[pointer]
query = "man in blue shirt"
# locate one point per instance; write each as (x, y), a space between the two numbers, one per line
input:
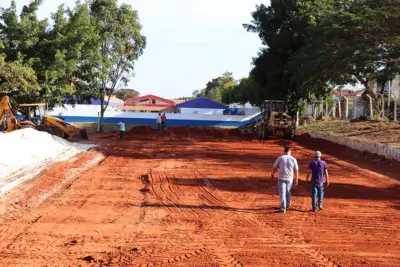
(121, 129)
(319, 172)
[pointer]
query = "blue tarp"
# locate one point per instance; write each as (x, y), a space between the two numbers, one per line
(202, 102)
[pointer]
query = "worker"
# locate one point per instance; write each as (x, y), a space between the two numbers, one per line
(318, 172)
(121, 125)
(163, 121)
(287, 166)
(262, 126)
(159, 121)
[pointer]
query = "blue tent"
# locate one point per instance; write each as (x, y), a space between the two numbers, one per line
(202, 102)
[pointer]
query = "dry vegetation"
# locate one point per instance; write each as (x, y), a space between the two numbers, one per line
(379, 132)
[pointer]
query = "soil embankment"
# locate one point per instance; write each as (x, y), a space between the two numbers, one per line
(201, 197)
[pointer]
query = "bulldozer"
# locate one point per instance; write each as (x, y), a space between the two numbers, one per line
(52, 125)
(276, 122)
(280, 125)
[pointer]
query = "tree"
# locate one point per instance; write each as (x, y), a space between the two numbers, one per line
(280, 31)
(283, 28)
(356, 42)
(55, 53)
(216, 87)
(124, 94)
(17, 79)
(121, 45)
(196, 93)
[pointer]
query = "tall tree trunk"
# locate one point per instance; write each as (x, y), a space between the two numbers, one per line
(102, 110)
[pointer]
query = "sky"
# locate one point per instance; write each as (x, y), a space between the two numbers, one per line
(188, 42)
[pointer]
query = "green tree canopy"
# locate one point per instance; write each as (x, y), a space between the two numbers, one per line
(18, 80)
(124, 94)
(356, 42)
(121, 44)
(216, 88)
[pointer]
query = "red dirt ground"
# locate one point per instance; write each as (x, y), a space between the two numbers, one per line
(200, 197)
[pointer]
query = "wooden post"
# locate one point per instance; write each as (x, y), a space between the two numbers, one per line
(326, 108)
(395, 109)
(314, 111)
(347, 107)
(340, 108)
(321, 108)
(297, 119)
(371, 108)
(355, 108)
(334, 110)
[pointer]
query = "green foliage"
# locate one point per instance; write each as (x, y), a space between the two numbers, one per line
(282, 32)
(86, 52)
(54, 53)
(125, 94)
(217, 87)
(17, 79)
(358, 41)
(248, 90)
(121, 44)
(312, 45)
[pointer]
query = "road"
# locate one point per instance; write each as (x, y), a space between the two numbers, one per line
(198, 198)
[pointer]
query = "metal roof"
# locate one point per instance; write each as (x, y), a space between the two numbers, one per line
(202, 102)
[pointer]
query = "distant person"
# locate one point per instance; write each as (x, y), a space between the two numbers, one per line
(319, 172)
(163, 121)
(287, 166)
(262, 127)
(159, 120)
(121, 125)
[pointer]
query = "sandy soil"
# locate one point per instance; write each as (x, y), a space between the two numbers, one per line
(200, 198)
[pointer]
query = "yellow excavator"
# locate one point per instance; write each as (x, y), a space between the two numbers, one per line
(8, 122)
(53, 125)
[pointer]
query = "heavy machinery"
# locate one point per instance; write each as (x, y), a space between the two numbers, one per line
(276, 122)
(280, 125)
(8, 122)
(52, 125)
(55, 125)
(42, 122)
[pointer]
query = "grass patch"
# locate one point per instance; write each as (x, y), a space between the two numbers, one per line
(379, 132)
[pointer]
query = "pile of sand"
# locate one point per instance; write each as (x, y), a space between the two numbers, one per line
(26, 152)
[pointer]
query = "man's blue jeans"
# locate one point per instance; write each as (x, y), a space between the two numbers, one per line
(317, 189)
(285, 188)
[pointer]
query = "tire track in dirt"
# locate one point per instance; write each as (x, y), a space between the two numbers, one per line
(46, 198)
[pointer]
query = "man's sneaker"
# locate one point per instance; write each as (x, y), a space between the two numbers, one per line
(320, 207)
(282, 211)
(315, 210)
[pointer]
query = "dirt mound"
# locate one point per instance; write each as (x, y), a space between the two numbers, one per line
(140, 130)
(179, 133)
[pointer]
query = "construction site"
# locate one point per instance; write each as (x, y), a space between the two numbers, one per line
(200, 133)
(192, 197)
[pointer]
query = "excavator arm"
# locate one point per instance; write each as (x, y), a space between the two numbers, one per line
(51, 122)
(68, 130)
(8, 121)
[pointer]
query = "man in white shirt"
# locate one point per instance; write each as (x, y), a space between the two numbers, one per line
(159, 121)
(287, 166)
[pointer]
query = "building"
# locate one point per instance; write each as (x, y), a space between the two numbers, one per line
(202, 105)
(148, 103)
(347, 93)
(114, 101)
